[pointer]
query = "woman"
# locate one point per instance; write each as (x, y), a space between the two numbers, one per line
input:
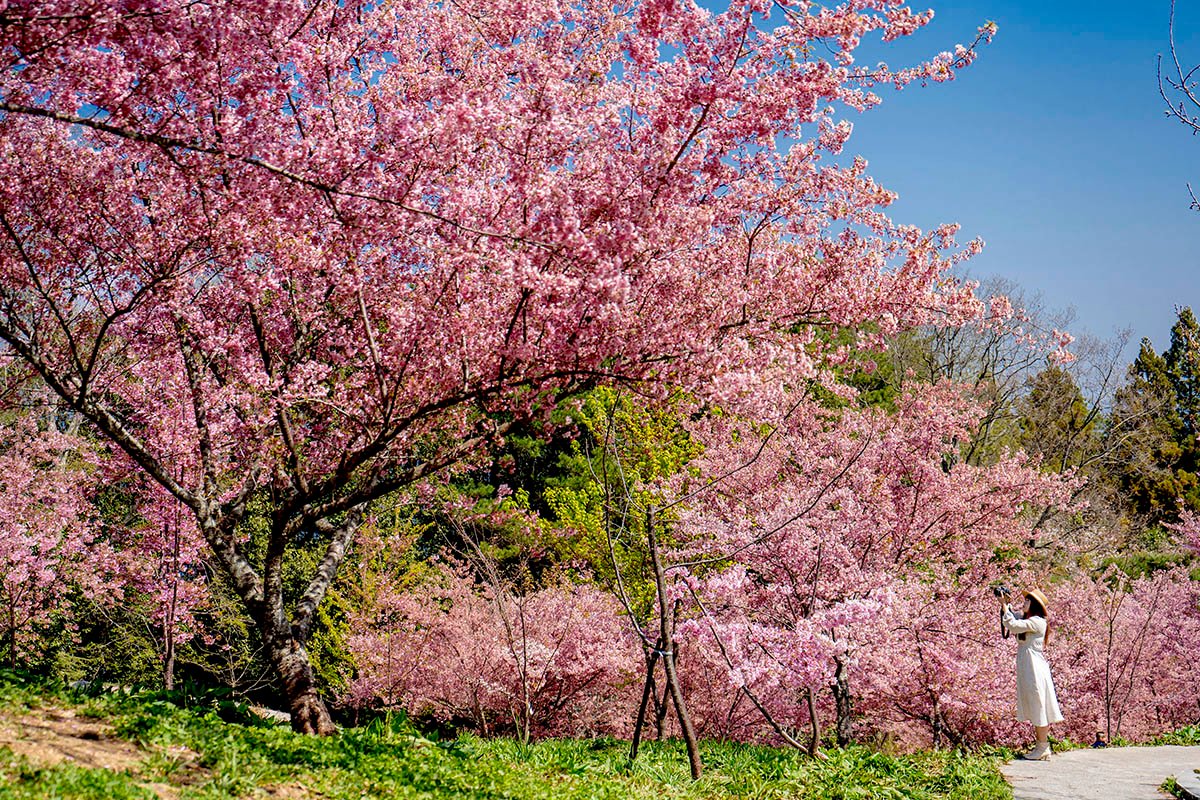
(1036, 701)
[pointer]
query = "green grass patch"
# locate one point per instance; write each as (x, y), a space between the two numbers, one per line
(21, 780)
(1171, 787)
(19, 691)
(390, 758)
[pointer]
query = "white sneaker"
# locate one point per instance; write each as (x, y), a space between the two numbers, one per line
(1040, 752)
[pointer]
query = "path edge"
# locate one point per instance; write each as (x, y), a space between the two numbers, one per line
(1189, 785)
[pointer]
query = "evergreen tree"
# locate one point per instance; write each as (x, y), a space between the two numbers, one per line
(1182, 362)
(1056, 420)
(1155, 471)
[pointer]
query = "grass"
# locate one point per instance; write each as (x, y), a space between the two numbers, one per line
(389, 758)
(21, 780)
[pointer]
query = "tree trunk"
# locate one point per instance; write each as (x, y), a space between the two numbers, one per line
(662, 704)
(666, 623)
(935, 722)
(309, 714)
(843, 703)
(12, 635)
(169, 616)
(647, 690)
(284, 635)
(814, 741)
(685, 720)
(169, 657)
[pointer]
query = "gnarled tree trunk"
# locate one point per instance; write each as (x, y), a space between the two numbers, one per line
(285, 635)
(290, 659)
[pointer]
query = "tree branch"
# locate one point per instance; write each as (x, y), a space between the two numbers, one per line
(173, 143)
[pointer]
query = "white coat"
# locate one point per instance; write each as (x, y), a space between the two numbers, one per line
(1036, 700)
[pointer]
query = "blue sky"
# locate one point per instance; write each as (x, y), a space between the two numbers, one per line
(1053, 147)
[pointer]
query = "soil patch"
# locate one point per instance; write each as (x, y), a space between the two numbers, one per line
(52, 736)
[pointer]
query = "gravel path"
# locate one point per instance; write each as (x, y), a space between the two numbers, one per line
(1112, 773)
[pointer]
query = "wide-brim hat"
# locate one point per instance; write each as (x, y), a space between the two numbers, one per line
(1036, 594)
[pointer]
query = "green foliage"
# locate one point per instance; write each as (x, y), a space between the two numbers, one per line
(105, 642)
(234, 658)
(1171, 787)
(218, 700)
(874, 374)
(527, 462)
(1142, 563)
(609, 478)
(1153, 537)
(1187, 736)
(19, 690)
(876, 379)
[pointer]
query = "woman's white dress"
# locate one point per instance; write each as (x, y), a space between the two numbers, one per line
(1036, 701)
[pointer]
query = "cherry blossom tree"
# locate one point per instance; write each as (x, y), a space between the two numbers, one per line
(463, 643)
(856, 557)
(1188, 529)
(316, 252)
(1125, 651)
(48, 542)
(837, 548)
(161, 556)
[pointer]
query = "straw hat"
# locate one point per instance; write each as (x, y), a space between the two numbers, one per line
(1036, 594)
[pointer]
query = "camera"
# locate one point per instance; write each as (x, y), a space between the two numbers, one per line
(1003, 592)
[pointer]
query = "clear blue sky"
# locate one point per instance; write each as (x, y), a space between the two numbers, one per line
(1053, 147)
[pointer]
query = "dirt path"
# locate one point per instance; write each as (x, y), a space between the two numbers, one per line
(1113, 773)
(50, 736)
